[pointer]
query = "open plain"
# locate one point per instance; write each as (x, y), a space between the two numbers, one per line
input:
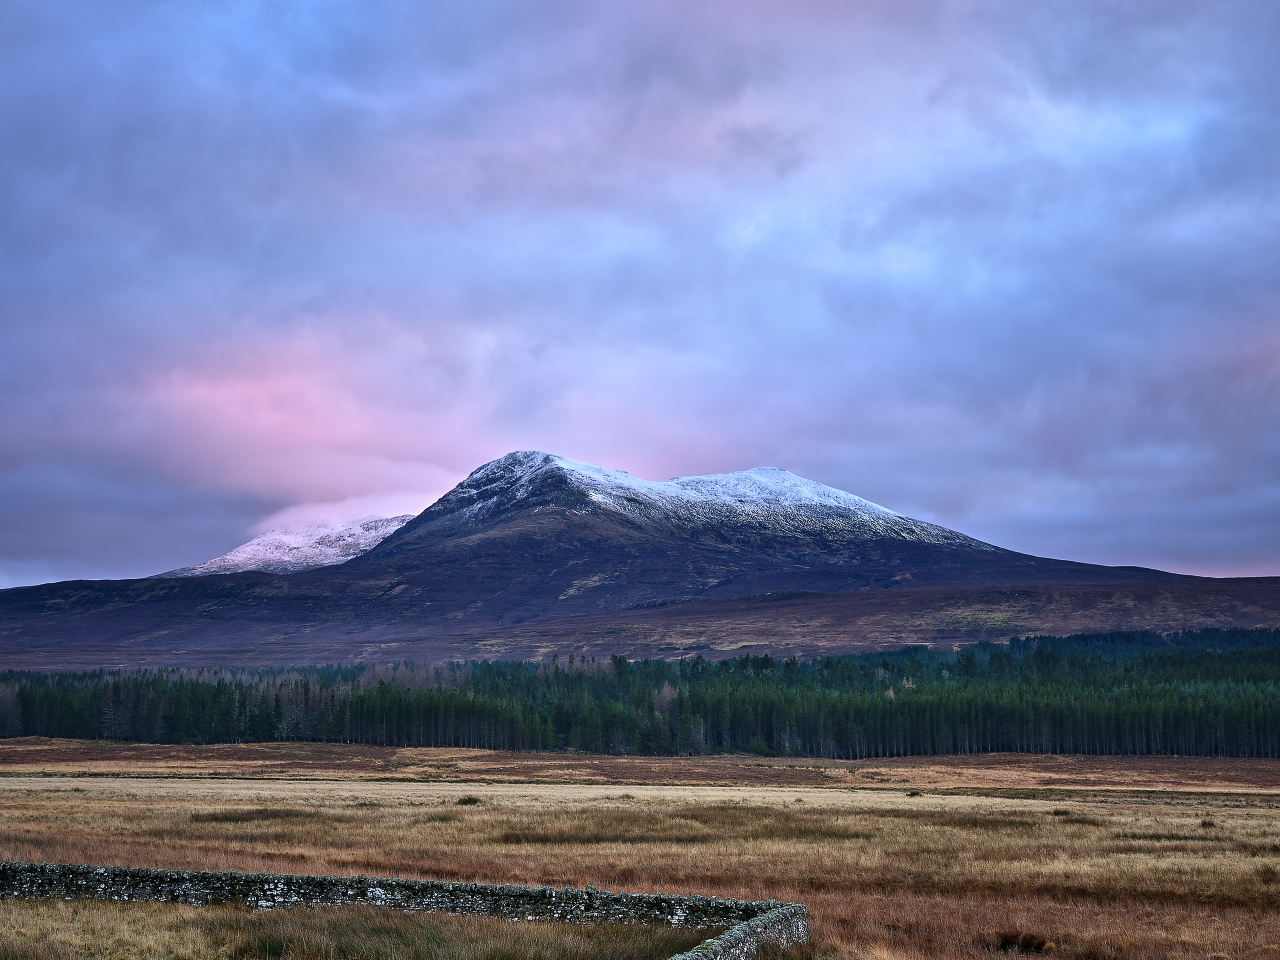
(1090, 858)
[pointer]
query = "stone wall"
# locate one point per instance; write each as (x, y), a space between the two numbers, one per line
(752, 922)
(784, 925)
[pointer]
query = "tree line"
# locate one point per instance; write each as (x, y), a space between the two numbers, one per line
(1203, 693)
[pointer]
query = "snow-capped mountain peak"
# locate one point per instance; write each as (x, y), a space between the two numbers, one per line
(759, 489)
(295, 547)
(767, 499)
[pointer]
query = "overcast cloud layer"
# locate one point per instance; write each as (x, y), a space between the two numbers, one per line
(1009, 267)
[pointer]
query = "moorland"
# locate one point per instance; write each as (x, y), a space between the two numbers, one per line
(255, 619)
(170, 931)
(1090, 858)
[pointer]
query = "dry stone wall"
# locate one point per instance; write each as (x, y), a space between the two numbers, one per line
(784, 925)
(752, 923)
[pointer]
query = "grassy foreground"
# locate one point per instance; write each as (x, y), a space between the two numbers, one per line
(155, 931)
(983, 864)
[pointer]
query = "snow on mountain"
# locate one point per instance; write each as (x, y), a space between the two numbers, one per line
(764, 498)
(301, 546)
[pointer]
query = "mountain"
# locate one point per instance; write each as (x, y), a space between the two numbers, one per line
(762, 502)
(534, 552)
(301, 546)
(533, 535)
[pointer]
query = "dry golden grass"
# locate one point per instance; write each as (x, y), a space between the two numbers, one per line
(159, 931)
(96, 758)
(331, 761)
(954, 872)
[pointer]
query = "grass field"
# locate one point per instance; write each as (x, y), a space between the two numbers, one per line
(158, 931)
(954, 858)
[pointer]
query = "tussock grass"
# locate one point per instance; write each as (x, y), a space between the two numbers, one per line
(886, 877)
(258, 814)
(964, 821)
(686, 825)
(1082, 821)
(35, 930)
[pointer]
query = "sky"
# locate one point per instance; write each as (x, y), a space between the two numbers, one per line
(1009, 267)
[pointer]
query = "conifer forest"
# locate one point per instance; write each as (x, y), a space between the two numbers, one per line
(1195, 693)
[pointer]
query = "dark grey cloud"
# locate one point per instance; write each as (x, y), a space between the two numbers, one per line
(1008, 267)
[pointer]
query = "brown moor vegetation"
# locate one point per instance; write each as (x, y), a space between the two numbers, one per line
(150, 931)
(788, 623)
(964, 858)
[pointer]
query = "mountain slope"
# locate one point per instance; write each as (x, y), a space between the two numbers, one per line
(298, 547)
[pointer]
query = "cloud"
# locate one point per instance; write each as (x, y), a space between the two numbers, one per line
(1012, 269)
